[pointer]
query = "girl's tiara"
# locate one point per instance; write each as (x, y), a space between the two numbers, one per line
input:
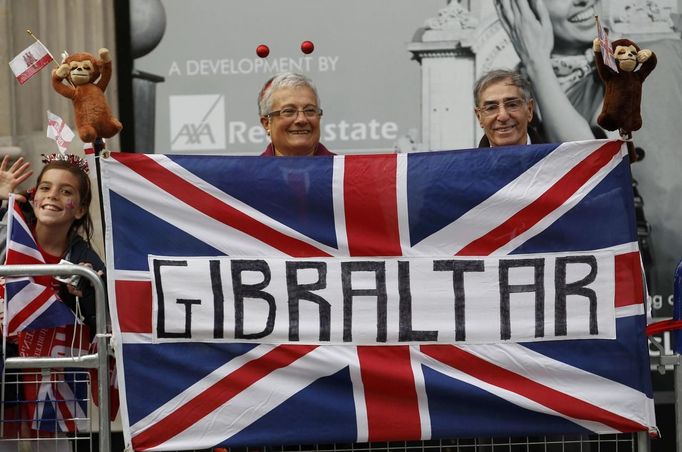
(73, 159)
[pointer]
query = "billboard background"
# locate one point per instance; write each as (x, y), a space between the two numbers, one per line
(361, 66)
(377, 97)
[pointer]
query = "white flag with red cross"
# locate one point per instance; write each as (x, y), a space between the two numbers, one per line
(59, 131)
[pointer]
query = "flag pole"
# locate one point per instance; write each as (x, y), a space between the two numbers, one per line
(30, 33)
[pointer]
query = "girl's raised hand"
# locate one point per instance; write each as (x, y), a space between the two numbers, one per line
(12, 177)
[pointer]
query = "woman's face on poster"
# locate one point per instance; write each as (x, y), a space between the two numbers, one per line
(573, 23)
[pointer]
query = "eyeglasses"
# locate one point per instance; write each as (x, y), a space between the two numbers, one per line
(308, 112)
(510, 106)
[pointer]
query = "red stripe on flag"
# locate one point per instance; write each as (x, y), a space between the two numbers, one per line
(33, 69)
(555, 400)
(215, 208)
(629, 285)
(30, 309)
(184, 416)
(371, 206)
(15, 257)
(549, 201)
(390, 394)
(371, 212)
(65, 413)
(134, 306)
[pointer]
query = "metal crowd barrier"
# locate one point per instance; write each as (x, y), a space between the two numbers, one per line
(677, 348)
(32, 421)
(97, 360)
(663, 362)
(628, 442)
(667, 359)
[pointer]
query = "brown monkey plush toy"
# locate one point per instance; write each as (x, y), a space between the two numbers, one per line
(623, 89)
(89, 78)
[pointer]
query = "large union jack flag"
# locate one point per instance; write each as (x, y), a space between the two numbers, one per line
(31, 301)
(572, 197)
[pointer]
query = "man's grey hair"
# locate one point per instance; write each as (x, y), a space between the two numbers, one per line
(498, 75)
(282, 80)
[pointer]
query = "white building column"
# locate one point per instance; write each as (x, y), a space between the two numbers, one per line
(448, 72)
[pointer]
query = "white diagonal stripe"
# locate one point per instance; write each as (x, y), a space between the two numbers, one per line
(511, 199)
(182, 215)
(240, 412)
(591, 388)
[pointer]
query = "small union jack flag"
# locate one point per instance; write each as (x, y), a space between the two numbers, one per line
(605, 45)
(31, 302)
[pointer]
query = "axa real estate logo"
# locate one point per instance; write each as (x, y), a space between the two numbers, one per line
(197, 122)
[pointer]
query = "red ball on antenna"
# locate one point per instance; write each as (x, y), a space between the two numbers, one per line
(307, 47)
(262, 50)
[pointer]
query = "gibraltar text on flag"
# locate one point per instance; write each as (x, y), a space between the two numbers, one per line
(376, 297)
(31, 60)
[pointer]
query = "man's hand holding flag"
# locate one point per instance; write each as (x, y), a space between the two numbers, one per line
(11, 178)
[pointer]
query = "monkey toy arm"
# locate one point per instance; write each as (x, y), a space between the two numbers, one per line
(648, 60)
(605, 72)
(58, 75)
(105, 76)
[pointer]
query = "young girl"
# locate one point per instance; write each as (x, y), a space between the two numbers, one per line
(63, 226)
(57, 212)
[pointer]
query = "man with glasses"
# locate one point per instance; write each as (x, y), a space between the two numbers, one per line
(504, 109)
(290, 112)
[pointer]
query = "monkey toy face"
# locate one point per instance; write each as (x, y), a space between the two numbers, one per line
(626, 57)
(82, 71)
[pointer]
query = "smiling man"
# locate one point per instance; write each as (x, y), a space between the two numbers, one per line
(504, 109)
(290, 112)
